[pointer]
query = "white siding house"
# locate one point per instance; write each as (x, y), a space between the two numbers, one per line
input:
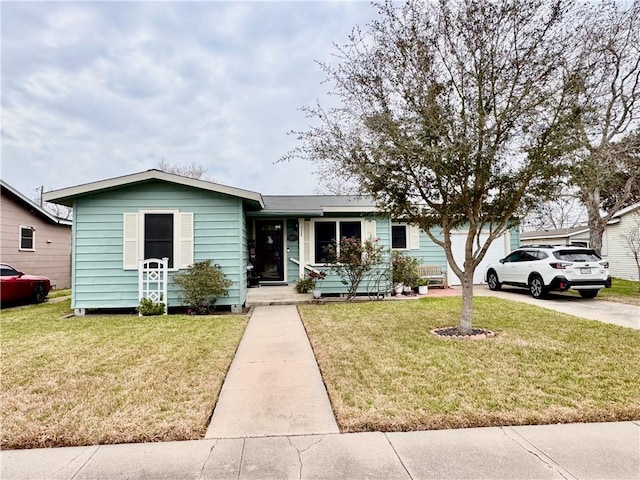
(614, 246)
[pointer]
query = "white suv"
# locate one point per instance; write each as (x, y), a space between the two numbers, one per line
(543, 268)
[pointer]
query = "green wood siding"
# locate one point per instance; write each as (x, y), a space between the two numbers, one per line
(99, 280)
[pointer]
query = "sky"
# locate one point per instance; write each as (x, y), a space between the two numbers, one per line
(95, 90)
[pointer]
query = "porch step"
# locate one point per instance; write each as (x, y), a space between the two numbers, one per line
(276, 295)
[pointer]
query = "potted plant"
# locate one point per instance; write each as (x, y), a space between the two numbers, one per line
(317, 277)
(423, 286)
(404, 273)
(304, 285)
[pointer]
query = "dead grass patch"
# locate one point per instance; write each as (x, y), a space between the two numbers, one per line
(384, 371)
(110, 379)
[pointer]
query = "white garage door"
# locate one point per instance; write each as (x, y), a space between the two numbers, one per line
(498, 249)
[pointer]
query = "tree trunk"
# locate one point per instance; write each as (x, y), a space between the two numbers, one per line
(596, 222)
(466, 316)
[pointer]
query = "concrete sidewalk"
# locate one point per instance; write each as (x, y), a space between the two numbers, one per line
(573, 451)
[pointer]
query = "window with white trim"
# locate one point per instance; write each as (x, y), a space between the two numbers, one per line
(326, 233)
(399, 237)
(157, 234)
(405, 236)
(27, 239)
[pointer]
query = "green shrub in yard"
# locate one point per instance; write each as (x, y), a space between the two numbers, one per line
(202, 284)
(148, 307)
(353, 260)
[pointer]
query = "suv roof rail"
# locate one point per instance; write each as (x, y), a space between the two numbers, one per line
(540, 245)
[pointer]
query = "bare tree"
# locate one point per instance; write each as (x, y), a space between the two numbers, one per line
(606, 69)
(452, 115)
(632, 239)
(565, 211)
(193, 170)
(60, 211)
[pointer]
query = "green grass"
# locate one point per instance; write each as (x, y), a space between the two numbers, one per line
(625, 291)
(110, 379)
(62, 292)
(385, 371)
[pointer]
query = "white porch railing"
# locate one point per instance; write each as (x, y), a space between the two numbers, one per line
(305, 266)
(153, 276)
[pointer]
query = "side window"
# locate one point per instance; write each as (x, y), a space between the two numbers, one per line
(528, 256)
(27, 239)
(541, 255)
(399, 236)
(158, 236)
(513, 257)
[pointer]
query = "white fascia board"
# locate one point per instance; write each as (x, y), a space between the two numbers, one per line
(65, 195)
(353, 209)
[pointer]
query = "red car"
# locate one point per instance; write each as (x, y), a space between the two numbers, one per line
(17, 286)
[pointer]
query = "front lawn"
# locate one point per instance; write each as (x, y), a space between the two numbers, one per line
(110, 379)
(624, 291)
(385, 371)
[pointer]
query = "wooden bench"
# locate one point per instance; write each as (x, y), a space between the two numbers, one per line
(434, 274)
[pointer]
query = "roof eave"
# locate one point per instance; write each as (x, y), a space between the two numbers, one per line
(31, 204)
(65, 196)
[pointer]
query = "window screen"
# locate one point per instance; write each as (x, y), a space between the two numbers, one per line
(158, 236)
(351, 230)
(325, 235)
(398, 236)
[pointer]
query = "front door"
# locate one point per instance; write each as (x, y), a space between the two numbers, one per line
(269, 250)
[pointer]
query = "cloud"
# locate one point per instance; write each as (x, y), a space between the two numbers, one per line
(92, 90)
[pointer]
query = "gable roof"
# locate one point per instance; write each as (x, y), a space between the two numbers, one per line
(559, 233)
(65, 196)
(626, 210)
(31, 206)
(316, 205)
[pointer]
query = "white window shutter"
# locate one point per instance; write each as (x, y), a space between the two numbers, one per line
(130, 241)
(186, 239)
(370, 230)
(414, 237)
(306, 240)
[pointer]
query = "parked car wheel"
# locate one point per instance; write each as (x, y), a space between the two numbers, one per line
(492, 280)
(39, 293)
(588, 293)
(536, 287)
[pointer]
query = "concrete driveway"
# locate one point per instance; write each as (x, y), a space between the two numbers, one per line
(593, 309)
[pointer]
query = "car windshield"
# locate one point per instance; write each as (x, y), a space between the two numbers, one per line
(577, 255)
(8, 271)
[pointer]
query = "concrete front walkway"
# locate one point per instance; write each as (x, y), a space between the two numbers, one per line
(274, 385)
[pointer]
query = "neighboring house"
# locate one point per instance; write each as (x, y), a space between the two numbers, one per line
(577, 236)
(119, 221)
(614, 246)
(32, 239)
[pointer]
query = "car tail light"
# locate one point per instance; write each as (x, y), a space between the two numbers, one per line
(560, 265)
(604, 264)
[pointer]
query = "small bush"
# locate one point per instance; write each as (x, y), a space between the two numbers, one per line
(148, 307)
(405, 269)
(202, 284)
(354, 261)
(304, 285)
